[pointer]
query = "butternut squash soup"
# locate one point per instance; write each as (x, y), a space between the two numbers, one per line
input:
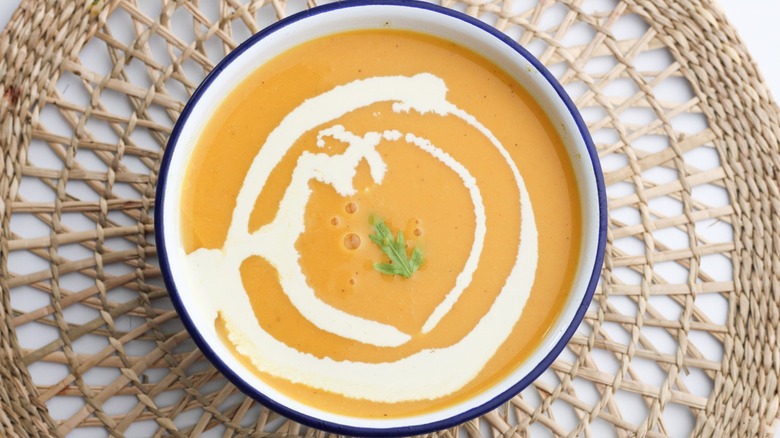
(389, 221)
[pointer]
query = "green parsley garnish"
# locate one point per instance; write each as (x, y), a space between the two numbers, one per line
(395, 249)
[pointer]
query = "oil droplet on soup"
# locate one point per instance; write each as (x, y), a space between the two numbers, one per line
(352, 241)
(418, 195)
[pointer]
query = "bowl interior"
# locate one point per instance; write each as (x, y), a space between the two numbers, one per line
(416, 17)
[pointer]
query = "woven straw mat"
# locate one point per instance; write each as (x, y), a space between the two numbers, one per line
(682, 336)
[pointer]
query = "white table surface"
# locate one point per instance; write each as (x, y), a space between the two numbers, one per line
(755, 21)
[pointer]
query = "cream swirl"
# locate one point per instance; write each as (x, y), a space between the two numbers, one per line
(422, 375)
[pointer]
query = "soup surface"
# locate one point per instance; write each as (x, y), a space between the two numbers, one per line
(295, 172)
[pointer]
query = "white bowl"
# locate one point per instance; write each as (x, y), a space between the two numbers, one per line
(408, 15)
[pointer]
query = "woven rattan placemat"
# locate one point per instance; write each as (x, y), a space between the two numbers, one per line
(682, 337)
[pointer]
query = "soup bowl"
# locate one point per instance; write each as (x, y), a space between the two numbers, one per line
(196, 310)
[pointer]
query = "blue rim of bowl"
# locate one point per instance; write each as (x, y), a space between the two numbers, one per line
(328, 425)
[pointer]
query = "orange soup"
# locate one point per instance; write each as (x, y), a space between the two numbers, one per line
(402, 217)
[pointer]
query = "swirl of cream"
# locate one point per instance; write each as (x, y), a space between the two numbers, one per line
(422, 375)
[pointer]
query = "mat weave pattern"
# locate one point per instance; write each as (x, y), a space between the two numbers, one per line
(682, 337)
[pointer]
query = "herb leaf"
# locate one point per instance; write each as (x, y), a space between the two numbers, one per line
(395, 249)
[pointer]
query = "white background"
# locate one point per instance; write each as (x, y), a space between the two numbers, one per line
(755, 21)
